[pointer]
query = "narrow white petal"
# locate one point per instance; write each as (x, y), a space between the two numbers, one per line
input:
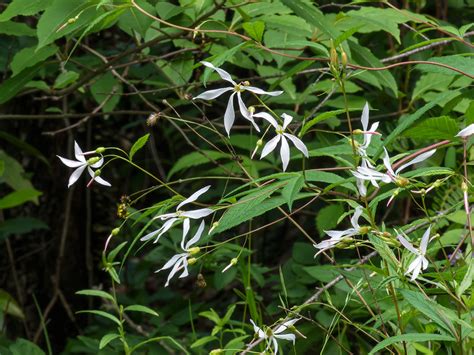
(361, 187)
(185, 272)
(424, 263)
(243, 109)
(164, 228)
(365, 117)
(212, 94)
(197, 214)
(257, 330)
(186, 226)
(222, 73)
(284, 152)
(336, 235)
(466, 132)
(418, 159)
(261, 92)
(289, 337)
(286, 120)
(298, 144)
(406, 244)
(270, 146)
(386, 162)
(101, 181)
(196, 237)
(193, 197)
(368, 136)
(70, 163)
(172, 261)
(75, 175)
(355, 217)
(229, 115)
(78, 153)
(275, 345)
(174, 270)
(424, 241)
(417, 269)
(99, 163)
(267, 117)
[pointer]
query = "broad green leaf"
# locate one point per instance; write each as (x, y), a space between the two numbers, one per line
(23, 346)
(319, 118)
(10, 87)
(65, 79)
(96, 293)
(134, 22)
(23, 8)
(467, 280)
(410, 338)
(139, 144)
(364, 57)
(429, 308)
(166, 10)
(27, 57)
(177, 72)
(465, 64)
(328, 217)
(254, 29)
(14, 175)
(20, 225)
(19, 197)
(16, 29)
(140, 308)
(23, 146)
(196, 159)
(291, 190)
(63, 17)
(221, 58)
(107, 85)
(9, 306)
(103, 314)
(106, 339)
(443, 127)
(203, 341)
(430, 82)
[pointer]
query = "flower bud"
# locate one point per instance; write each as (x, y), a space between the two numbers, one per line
(357, 131)
(402, 182)
(216, 352)
(343, 58)
(214, 226)
(97, 172)
(259, 143)
(194, 250)
(192, 261)
(464, 187)
(92, 160)
(100, 150)
(364, 229)
(251, 109)
(115, 231)
(234, 261)
(334, 58)
(246, 83)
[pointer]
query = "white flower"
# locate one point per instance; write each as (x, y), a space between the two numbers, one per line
(171, 218)
(281, 136)
(420, 262)
(466, 132)
(81, 164)
(367, 173)
(338, 236)
(237, 89)
(180, 261)
(368, 133)
(276, 334)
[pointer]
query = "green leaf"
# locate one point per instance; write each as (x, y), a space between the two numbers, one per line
(106, 339)
(10, 87)
(467, 280)
(443, 127)
(65, 78)
(429, 308)
(328, 217)
(140, 308)
(465, 64)
(2, 168)
(291, 190)
(27, 57)
(410, 338)
(20, 225)
(104, 315)
(9, 306)
(23, 8)
(196, 159)
(254, 29)
(220, 59)
(96, 293)
(106, 85)
(363, 56)
(23, 146)
(23, 346)
(16, 29)
(321, 117)
(313, 16)
(14, 175)
(139, 144)
(19, 197)
(203, 341)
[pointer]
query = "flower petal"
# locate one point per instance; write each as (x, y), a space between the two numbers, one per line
(261, 92)
(78, 153)
(99, 163)
(186, 226)
(365, 117)
(222, 73)
(298, 144)
(75, 175)
(229, 115)
(290, 337)
(386, 162)
(101, 181)
(196, 237)
(257, 330)
(466, 132)
(268, 117)
(424, 241)
(194, 196)
(212, 94)
(406, 244)
(70, 163)
(270, 146)
(245, 112)
(284, 152)
(286, 120)
(418, 159)
(196, 214)
(355, 217)
(361, 187)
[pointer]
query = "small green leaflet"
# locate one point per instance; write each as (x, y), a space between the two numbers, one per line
(96, 293)
(106, 339)
(19, 197)
(254, 29)
(291, 190)
(140, 308)
(138, 145)
(410, 338)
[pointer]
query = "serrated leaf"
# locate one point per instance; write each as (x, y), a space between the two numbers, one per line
(16, 29)
(96, 293)
(23, 8)
(140, 308)
(19, 197)
(254, 29)
(443, 127)
(65, 79)
(104, 315)
(27, 57)
(138, 145)
(410, 338)
(291, 190)
(465, 64)
(106, 339)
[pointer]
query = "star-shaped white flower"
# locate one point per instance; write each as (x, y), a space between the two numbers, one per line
(180, 261)
(185, 216)
(338, 236)
(281, 136)
(466, 132)
(81, 164)
(420, 262)
(229, 115)
(271, 337)
(368, 133)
